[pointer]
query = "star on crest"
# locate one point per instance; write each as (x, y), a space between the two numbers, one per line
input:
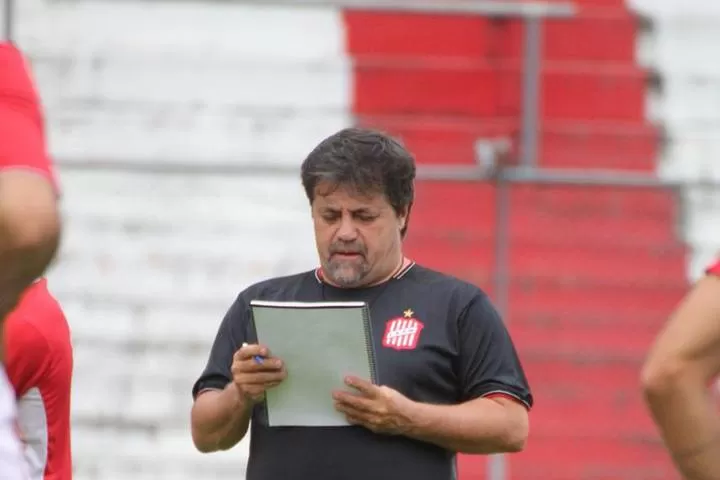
(408, 313)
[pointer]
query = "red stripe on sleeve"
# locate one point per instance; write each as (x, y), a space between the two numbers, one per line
(506, 396)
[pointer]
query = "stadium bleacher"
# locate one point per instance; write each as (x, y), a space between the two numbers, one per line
(684, 36)
(151, 261)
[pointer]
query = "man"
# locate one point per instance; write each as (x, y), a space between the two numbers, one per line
(677, 376)
(453, 384)
(39, 362)
(29, 219)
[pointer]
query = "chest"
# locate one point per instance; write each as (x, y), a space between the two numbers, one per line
(416, 349)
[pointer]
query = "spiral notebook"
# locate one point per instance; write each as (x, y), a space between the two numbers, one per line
(320, 343)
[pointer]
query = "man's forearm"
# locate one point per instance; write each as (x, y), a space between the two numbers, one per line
(481, 426)
(220, 419)
(690, 425)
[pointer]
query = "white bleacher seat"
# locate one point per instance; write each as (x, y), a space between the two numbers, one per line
(142, 454)
(92, 321)
(233, 89)
(685, 37)
(165, 238)
(157, 261)
(150, 263)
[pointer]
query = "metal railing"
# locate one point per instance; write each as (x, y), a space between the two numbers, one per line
(488, 169)
(532, 14)
(8, 19)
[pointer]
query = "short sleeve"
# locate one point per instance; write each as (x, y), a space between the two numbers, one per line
(21, 121)
(489, 364)
(230, 336)
(27, 353)
(714, 269)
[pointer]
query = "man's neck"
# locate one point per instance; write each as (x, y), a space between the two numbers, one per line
(399, 267)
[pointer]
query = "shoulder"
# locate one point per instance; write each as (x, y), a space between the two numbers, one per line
(277, 288)
(22, 332)
(444, 284)
(16, 82)
(40, 307)
(447, 289)
(17, 89)
(13, 67)
(22, 122)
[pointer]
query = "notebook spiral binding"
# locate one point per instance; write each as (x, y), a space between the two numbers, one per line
(370, 344)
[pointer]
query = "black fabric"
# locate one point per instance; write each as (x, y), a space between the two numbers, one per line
(463, 352)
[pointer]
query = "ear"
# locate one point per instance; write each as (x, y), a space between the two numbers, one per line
(403, 217)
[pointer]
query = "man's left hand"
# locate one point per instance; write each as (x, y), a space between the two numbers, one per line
(377, 408)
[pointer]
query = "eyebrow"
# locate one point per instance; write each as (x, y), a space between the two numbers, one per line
(366, 210)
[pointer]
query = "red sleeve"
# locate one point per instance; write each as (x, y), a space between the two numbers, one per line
(714, 270)
(26, 352)
(22, 139)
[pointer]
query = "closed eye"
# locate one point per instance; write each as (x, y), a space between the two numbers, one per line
(365, 217)
(331, 216)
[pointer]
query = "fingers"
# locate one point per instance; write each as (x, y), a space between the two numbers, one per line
(363, 386)
(255, 358)
(260, 378)
(255, 371)
(252, 366)
(353, 420)
(357, 403)
(356, 417)
(248, 351)
(348, 410)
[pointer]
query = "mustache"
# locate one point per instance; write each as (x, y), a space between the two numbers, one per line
(357, 249)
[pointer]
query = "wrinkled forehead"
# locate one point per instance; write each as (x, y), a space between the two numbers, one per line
(347, 197)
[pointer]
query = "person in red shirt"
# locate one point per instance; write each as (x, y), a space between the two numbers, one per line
(29, 213)
(39, 362)
(677, 375)
(714, 270)
(29, 220)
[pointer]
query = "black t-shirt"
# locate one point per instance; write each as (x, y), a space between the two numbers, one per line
(438, 339)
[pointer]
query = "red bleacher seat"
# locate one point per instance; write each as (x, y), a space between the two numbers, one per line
(485, 89)
(446, 139)
(597, 35)
(593, 272)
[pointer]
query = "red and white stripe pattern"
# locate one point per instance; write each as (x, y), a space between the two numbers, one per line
(402, 333)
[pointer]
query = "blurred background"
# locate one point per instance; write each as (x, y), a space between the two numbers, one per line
(569, 164)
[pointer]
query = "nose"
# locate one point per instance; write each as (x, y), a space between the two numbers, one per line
(347, 232)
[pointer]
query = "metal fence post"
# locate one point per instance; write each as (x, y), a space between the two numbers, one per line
(8, 15)
(531, 85)
(497, 467)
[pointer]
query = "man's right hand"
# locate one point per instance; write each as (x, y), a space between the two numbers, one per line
(251, 378)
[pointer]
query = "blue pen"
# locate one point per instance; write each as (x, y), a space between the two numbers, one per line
(258, 359)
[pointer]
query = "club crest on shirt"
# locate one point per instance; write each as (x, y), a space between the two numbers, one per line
(402, 333)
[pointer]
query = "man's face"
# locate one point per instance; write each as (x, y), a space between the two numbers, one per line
(357, 236)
